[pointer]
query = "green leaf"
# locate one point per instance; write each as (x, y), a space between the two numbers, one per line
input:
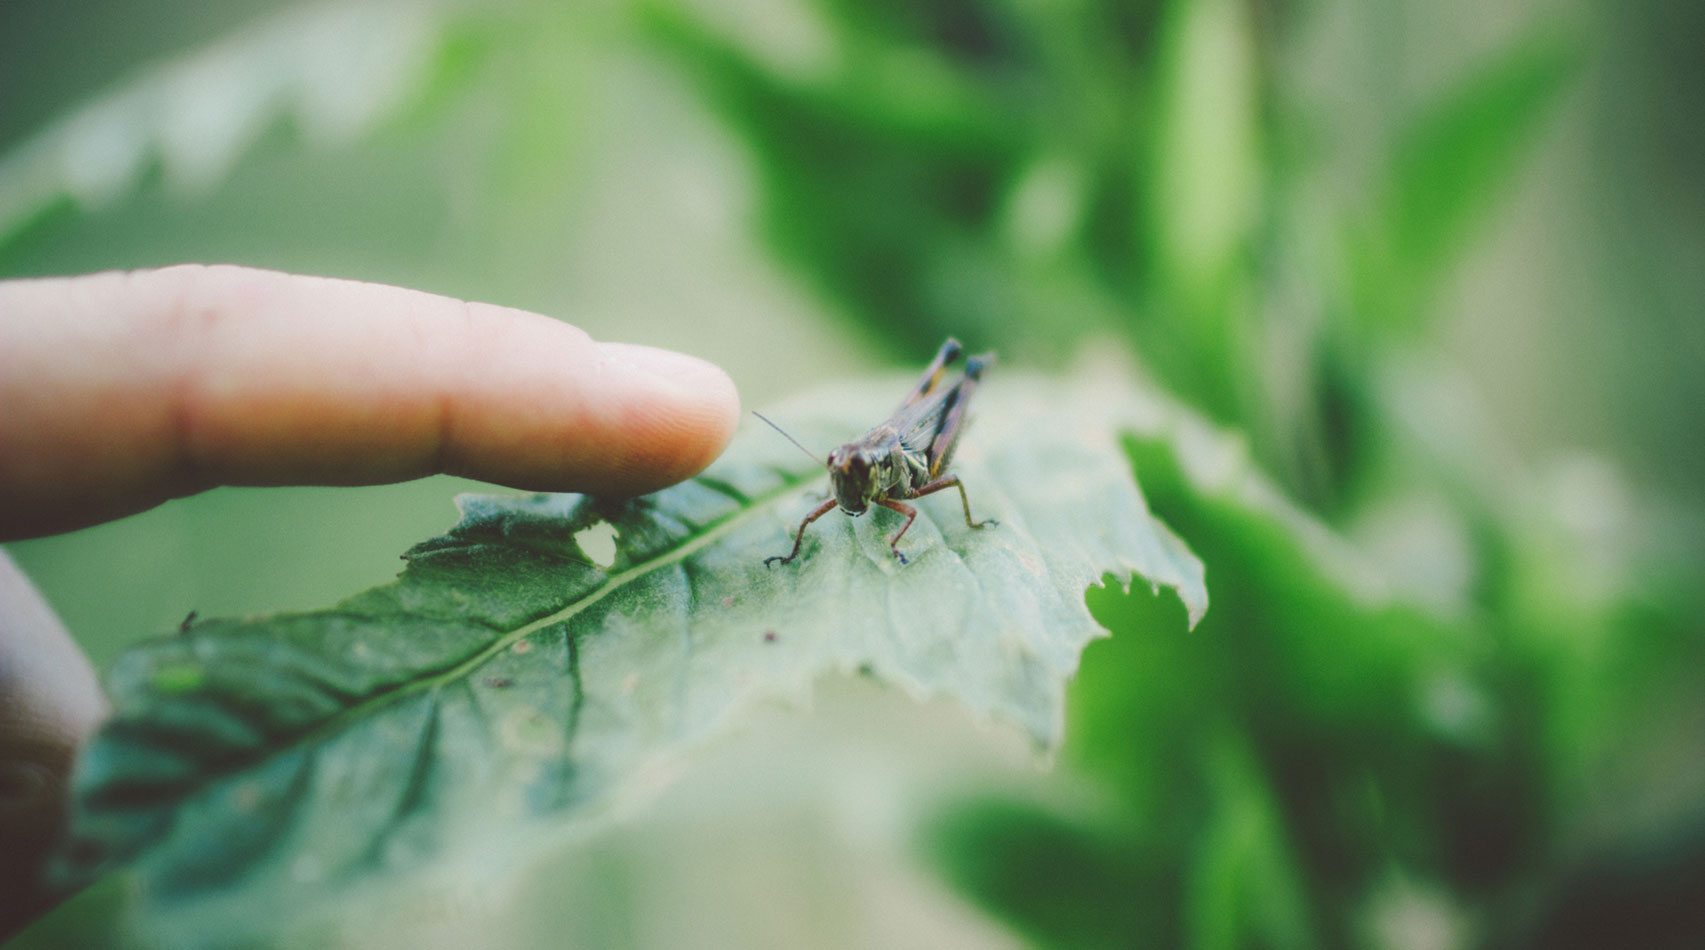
(1453, 159)
(1238, 761)
(508, 677)
(1061, 880)
(1244, 887)
(1200, 179)
(1205, 181)
(887, 169)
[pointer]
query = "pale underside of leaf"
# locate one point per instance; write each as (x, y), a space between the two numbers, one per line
(508, 677)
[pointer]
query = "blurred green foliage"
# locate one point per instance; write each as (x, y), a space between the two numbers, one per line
(1449, 165)
(1447, 693)
(1318, 761)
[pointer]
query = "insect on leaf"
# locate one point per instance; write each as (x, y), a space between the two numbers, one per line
(509, 683)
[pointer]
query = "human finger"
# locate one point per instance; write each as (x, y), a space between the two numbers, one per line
(120, 390)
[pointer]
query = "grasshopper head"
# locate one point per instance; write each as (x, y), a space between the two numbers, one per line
(853, 472)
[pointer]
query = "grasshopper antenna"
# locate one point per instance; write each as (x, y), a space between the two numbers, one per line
(790, 438)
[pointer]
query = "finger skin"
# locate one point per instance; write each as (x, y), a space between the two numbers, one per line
(49, 703)
(121, 390)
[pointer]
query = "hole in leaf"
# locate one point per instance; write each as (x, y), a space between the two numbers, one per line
(598, 543)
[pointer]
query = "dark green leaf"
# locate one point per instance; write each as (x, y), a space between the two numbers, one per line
(1061, 882)
(884, 173)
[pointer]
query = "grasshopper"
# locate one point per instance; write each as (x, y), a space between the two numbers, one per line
(906, 456)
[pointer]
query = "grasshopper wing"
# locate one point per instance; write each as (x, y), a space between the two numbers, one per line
(932, 424)
(931, 379)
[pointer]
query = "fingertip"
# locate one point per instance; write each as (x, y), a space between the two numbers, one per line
(194, 376)
(681, 412)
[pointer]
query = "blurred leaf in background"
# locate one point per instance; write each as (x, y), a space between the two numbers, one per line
(1449, 166)
(1426, 752)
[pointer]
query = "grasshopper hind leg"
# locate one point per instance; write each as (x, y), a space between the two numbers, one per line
(952, 481)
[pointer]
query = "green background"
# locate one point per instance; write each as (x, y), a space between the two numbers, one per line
(1437, 262)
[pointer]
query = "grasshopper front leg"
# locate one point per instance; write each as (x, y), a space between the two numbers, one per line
(911, 516)
(818, 512)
